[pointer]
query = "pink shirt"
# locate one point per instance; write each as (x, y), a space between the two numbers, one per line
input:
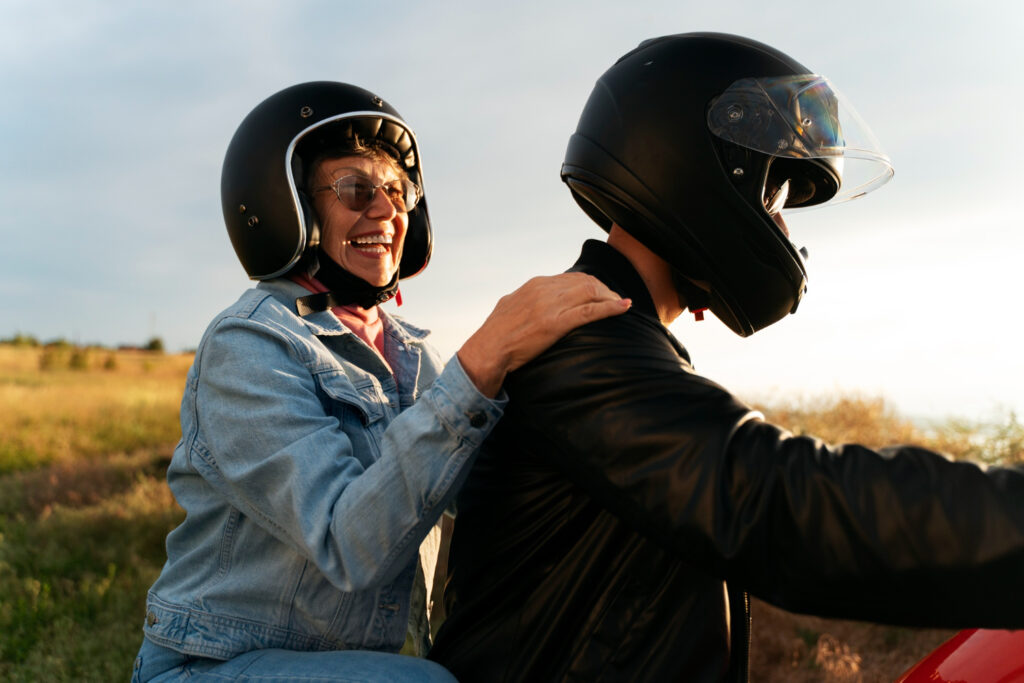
(364, 323)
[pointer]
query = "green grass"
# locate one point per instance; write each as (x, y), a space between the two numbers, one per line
(84, 508)
(79, 547)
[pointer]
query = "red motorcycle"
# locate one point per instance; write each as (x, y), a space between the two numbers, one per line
(973, 656)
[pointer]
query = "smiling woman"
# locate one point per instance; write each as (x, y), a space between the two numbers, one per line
(364, 224)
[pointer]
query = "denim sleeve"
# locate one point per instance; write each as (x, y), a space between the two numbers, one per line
(265, 443)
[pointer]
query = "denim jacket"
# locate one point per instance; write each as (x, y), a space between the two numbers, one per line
(309, 474)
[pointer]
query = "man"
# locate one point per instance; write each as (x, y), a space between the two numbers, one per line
(624, 508)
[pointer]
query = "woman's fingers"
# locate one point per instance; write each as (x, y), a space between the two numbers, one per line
(526, 322)
(584, 301)
(545, 309)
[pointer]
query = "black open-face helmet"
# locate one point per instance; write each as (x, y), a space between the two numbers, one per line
(692, 142)
(268, 216)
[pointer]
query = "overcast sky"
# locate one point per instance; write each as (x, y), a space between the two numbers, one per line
(114, 118)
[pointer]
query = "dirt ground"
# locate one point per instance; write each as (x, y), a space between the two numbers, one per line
(789, 648)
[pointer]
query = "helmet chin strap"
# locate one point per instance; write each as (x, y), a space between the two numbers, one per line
(696, 299)
(344, 288)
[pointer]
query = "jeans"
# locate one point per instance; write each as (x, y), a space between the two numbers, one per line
(163, 665)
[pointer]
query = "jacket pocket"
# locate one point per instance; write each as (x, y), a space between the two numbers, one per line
(360, 410)
(363, 397)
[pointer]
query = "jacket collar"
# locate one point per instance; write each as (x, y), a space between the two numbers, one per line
(325, 323)
(609, 266)
(612, 268)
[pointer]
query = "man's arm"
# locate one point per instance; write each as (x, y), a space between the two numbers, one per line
(903, 535)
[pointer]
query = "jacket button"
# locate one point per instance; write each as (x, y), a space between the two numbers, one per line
(477, 420)
(151, 618)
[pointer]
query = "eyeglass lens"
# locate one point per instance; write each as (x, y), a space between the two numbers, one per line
(357, 192)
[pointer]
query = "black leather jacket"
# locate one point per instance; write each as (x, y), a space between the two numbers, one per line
(625, 505)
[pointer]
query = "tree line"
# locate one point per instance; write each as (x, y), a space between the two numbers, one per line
(154, 344)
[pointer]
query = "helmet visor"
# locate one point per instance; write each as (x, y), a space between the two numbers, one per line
(802, 117)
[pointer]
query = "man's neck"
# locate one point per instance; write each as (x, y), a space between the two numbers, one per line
(654, 271)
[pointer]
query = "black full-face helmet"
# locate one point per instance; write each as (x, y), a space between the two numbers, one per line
(268, 216)
(692, 142)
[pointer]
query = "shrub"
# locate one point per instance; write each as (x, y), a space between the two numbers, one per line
(20, 339)
(998, 442)
(846, 419)
(79, 359)
(51, 358)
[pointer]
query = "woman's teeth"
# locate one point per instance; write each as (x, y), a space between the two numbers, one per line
(377, 243)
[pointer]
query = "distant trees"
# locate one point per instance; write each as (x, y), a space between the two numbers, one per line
(57, 354)
(155, 344)
(20, 339)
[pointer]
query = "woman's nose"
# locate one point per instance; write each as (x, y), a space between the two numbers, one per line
(380, 207)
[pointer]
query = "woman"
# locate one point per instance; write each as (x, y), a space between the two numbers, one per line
(321, 437)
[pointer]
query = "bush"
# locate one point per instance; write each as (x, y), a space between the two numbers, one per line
(52, 358)
(846, 419)
(20, 339)
(79, 359)
(871, 422)
(999, 442)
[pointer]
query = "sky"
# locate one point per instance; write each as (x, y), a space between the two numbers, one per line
(114, 119)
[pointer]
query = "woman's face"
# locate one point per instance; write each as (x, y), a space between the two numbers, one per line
(367, 243)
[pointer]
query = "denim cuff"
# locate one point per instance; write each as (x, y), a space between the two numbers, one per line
(463, 408)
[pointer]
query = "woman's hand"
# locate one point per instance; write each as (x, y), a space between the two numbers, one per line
(529, 320)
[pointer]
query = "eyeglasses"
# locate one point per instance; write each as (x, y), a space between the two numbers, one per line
(356, 192)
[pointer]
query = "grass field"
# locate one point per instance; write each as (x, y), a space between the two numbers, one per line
(85, 437)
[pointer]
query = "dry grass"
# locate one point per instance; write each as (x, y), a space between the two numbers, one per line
(57, 409)
(845, 419)
(788, 648)
(869, 421)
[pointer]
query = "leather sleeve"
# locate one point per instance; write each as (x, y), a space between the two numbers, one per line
(902, 535)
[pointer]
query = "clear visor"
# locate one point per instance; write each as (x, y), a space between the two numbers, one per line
(802, 117)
